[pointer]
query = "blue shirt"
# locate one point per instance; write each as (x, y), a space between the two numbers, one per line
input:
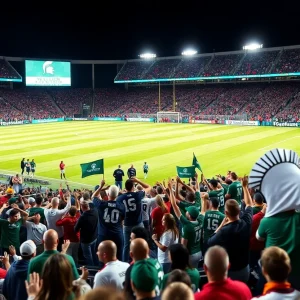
(133, 207)
(111, 213)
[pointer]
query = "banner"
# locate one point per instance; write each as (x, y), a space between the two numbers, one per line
(106, 119)
(286, 124)
(9, 123)
(139, 119)
(196, 164)
(186, 172)
(242, 123)
(203, 122)
(39, 121)
(92, 168)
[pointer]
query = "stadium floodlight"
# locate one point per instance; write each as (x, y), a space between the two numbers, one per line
(253, 46)
(189, 52)
(147, 55)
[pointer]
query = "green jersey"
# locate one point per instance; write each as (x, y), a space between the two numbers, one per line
(191, 231)
(225, 187)
(282, 230)
(32, 165)
(256, 209)
(37, 210)
(10, 233)
(235, 190)
(184, 204)
(194, 275)
(212, 221)
(220, 194)
(160, 274)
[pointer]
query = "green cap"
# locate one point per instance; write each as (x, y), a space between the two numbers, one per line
(12, 200)
(193, 211)
(144, 275)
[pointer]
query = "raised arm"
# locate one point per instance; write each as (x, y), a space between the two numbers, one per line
(247, 196)
(173, 201)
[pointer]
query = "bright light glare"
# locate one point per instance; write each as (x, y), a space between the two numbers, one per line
(189, 52)
(253, 46)
(147, 55)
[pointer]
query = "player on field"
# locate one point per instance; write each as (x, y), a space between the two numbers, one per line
(62, 170)
(191, 227)
(118, 174)
(111, 215)
(235, 189)
(22, 166)
(32, 166)
(131, 172)
(133, 210)
(27, 166)
(145, 169)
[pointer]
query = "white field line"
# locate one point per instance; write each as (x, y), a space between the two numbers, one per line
(9, 172)
(279, 142)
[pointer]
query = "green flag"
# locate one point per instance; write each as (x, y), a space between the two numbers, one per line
(92, 168)
(196, 163)
(186, 172)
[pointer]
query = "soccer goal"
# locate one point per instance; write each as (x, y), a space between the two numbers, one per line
(168, 117)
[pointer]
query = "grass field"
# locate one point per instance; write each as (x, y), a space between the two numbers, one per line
(164, 146)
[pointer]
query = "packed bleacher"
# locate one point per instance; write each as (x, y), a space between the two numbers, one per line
(289, 61)
(134, 70)
(191, 67)
(162, 69)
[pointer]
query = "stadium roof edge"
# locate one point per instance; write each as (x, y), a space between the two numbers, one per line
(123, 61)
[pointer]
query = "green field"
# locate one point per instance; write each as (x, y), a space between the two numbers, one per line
(163, 146)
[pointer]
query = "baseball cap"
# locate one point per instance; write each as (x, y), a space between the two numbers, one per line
(12, 200)
(10, 191)
(31, 200)
(144, 275)
(193, 211)
(27, 248)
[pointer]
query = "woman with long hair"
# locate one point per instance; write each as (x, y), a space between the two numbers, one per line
(56, 281)
(179, 256)
(169, 237)
(157, 215)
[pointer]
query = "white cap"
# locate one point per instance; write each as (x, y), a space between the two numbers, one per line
(31, 200)
(27, 248)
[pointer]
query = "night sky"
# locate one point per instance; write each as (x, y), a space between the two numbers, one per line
(119, 34)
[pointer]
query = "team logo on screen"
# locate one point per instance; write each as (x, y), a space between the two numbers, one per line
(48, 68)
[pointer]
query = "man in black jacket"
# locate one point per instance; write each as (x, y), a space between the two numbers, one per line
(22, 165)
(87, 224)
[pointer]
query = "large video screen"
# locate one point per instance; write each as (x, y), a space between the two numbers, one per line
(47, 73)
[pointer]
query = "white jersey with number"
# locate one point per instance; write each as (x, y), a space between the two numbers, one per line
(113, 274)
(148, 204)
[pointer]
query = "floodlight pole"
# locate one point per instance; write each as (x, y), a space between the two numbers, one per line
(174, 98)
(159, 104)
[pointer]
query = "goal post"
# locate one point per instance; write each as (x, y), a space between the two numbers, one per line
(168, 117)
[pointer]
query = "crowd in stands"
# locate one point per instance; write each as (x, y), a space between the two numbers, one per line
(290, 113)
(70, 100)
(162, 69)
(134, 70)
(223, 65)
(191, 67)
(6, 70)
(227, 237)
(289, 62)
(9, 113)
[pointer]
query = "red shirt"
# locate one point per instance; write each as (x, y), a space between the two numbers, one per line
(225, 290)
(2, 273)
(255, 244)
(61, 166)
(68, 224)
(3, 199)
(157, 215)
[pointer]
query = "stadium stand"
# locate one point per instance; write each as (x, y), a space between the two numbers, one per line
(164, 68)
(289, 61)
(7, 71)
(134, 70)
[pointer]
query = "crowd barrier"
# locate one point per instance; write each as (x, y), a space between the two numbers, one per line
(140, 119)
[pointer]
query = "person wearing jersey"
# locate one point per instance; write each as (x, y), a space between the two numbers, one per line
(27, 166)
(133, 210)
(131, 172)
(113, 273)
(218, 192)
(212, 220)
(118, 174)
(32, 166)
(62, 170)
(145, 169)
(235, 190)
(148, 204)
(111, 214)
(191, 228)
